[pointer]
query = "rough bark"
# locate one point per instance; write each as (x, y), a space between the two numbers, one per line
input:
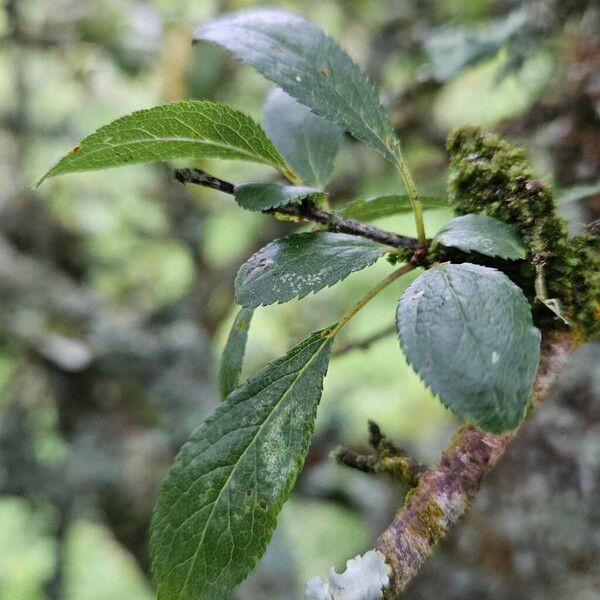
(444, 491)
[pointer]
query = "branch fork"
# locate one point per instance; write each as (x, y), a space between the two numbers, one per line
(385, 458)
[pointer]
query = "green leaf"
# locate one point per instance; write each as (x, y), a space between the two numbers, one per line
(386, 206)
(467, 331)
(308, 143)
(218, 507)
(233, 354)
(177, 130)
(577, 193)
(294, 266)
(483, 234)
(311, 67)
(263, 196)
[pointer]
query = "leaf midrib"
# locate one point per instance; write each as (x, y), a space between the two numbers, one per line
(299, 373)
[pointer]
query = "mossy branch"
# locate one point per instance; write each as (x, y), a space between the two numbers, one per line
(386, 457)
(444, 491)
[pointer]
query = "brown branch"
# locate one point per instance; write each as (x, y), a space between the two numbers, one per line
(364, 343)
(444, 491)
(306, 210)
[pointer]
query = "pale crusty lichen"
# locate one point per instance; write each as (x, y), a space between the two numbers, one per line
(365, 578)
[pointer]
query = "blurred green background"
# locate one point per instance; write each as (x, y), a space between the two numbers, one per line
(116, 294)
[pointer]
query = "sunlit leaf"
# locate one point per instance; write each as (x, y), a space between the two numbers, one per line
(178, 130)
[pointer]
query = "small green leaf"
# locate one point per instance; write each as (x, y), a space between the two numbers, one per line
(233, 354)
(467, 331)
(177, 130)
(311, 67)
(577, 193)
(294, 266)
(386, 206)
(308, 143)
(483, 234)
(218, 507)
(263, 196)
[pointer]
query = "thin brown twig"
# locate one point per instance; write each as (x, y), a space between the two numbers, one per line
(365, 343)
(306, 210)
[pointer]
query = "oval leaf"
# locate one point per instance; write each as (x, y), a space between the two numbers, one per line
(263, 196)
(308, 143)
(178, 130)
(467, 331)
(483, 234)
(386, 206)
(311, 67)
(294, 266)
(218, 507)
(233, 354)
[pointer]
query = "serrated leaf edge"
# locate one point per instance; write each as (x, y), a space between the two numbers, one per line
(300, 296)
(299, 462)
(428, 386)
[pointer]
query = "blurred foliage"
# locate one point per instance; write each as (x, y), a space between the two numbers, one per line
(116, 287)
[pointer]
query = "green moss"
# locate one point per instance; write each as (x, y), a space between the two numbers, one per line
(490, 176)
(428, 523)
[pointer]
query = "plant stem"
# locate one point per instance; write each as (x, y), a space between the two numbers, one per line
(413, 196)
(365, 343)
(370, 295)
(306, 210)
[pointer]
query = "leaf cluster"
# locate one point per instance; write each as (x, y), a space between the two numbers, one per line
(465, 327)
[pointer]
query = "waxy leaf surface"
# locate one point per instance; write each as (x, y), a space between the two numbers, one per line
(308, 65)
(482, 234)
(308, 142)
(294, 266)
(263, 196)
(467, 331)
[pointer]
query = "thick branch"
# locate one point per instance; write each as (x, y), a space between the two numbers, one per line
(306, 210)
(445, 490)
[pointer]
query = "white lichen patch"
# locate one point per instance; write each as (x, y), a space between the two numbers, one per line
(365, 578)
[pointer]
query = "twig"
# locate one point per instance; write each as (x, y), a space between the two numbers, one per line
(385, 458)
(306, 210)
(365, 343)
(444, 491)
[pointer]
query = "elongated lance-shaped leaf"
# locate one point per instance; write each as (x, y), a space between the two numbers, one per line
(467, 331)
(233, 354)
(218, 507)
(294, 266)
(483, 234)
(370, 209)
(263, 196)
(311, 67)
(308, 143)
(194, 129)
